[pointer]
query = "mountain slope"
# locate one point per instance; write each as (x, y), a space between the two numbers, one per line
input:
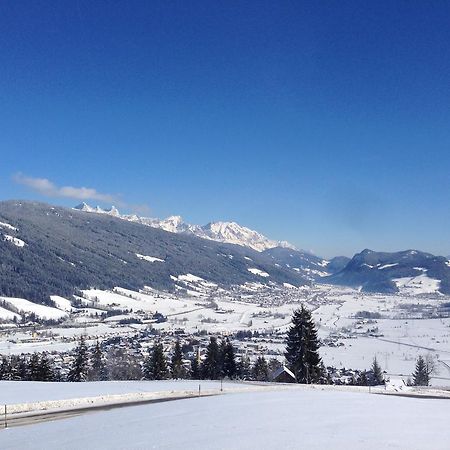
(229, 232)
(410, 271)
(46, 250)
(313, 267)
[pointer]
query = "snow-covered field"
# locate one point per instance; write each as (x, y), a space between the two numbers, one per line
(287, 419)
(12, 392)
(42, 311)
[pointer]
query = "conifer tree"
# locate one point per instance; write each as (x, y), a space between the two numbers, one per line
(377, 374)
(302, 346)
(176, 363)
(45, 368)
(260, 369)
(229, 368)
(5, 368)
(421, 377)
(79, 370)
(244, 368)
(97, 371)
(155, 366)
(195, 368)
(362, 379)
(211, 365)
(34, 367)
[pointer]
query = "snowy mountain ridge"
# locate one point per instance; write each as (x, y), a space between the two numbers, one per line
(228, 232)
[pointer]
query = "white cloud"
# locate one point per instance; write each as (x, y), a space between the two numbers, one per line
(49, 189)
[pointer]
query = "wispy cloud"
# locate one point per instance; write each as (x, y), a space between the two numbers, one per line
(46, 187)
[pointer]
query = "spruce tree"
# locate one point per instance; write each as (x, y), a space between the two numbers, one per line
(362, 379)
(176, 362)
(260, 369)
(45, 368)
(244, 368)
(195, 369)
(34, 367)
(302, 346)
(97, 371)
(211, 365)
(229, 368)
(377, 374)
(421, 376)
(79, 370)
(5, 368)
(155, 366)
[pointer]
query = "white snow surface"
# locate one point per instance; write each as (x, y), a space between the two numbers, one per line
(5, 314)
(25, 306)
(259, 272)
(16, 241)
(15, 392)
(62, 303)
(7, 225)
(421, 284)
(386, 266)
(256, 420)
(149, 258)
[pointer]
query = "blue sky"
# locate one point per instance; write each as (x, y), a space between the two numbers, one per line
(323, 123)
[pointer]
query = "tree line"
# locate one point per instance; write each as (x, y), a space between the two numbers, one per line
(118, 363)
(220, 361)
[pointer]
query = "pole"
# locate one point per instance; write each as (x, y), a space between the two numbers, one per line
(221, 385)
(199, 390)
(6, 422)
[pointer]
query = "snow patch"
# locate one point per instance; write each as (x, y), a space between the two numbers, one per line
(7, 225)
(149, 258)
(17, 242)
(259, 272)
(387, 266)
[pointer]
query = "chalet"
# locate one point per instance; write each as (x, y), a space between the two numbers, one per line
(283, 375)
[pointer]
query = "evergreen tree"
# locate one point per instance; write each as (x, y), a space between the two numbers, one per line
(229, 368)
(123, 365)
(244, 368)
(155, 366)
(222, 351)
(211, 365)
(302, 346)
(377, 374)
(362, 379)
(45, 369)
(176, 363)
(34, 367)
(5, 369)
(195, 368)
(22, 367)
(79, 370)
(421, 377)
(97, 371)
(261, 369)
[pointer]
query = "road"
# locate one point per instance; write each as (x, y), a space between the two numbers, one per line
(18, 420)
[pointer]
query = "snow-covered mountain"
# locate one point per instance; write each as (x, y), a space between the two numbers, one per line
(408, 272)
(229, 232)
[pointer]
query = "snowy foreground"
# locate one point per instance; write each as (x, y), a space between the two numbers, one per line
(294, 417)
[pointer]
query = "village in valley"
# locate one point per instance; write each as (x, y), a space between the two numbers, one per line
(354, 328)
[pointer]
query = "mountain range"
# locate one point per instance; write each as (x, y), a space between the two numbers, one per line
(47, 250)
(229, 232)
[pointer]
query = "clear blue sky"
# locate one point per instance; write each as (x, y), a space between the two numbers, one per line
(323, 123)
